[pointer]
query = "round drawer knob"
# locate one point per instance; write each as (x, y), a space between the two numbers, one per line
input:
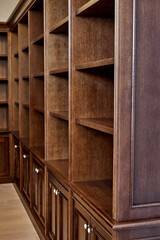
(24, 156)
(36, 170)
(86, 226)
(89, 230)
(15, 146)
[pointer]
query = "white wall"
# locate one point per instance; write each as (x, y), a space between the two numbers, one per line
(6, 9)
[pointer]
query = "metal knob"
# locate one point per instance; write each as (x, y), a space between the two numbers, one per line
(56, 191)
(36, 170)
(89, 230)
(24, 156)
(15, 146)
(86, 226)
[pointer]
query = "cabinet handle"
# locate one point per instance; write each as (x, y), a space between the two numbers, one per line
(56, 191)
(36, 170)
(86, 226)
(89, 230)
(25, 156)
(15, 146)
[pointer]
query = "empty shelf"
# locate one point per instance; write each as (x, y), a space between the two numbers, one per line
(103, 125)
(58, 71)
(97, 8)
(59, 166)
(38, 109)
(39, 40)
(105, 63)
(61, 27)
(60, 114)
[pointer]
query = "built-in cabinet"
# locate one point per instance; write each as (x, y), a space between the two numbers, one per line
(25, 169)
(58, 210)
(38, 189)
(16, 156)
(86, 227)
(83, 110)
(4, 155)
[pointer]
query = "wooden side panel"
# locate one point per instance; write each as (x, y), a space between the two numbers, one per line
(4, 156)
(137, 103)
(146, 102)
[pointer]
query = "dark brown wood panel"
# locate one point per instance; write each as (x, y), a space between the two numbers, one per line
(146, 116)
(4, 156)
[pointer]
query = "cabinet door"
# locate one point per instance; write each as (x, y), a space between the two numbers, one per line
(17, 161)
(38, 190)
(26, 173)
(4, 156)
(97, 232)
(81, 223)
(58, 211)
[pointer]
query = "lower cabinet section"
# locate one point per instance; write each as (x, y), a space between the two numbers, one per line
(86, 227)
(17, 161)
(4, 155)
(26, 172)
(38, 189)
(57, 210)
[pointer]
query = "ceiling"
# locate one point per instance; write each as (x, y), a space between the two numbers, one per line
(7, 7)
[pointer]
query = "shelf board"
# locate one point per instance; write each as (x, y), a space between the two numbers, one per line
(61, 27)
(105, 63)
(39, 40)
(16, 55)
(38, 75)
(101, 124)
(98, 193)
(38, 109)
(97, 8)
(26, 78)
(58, 71)
(60, 114)
(3, 102)
(3, 79)
(16, 79)
(4, 130)
(16, 103)
(59, 166)
(25, 49)
(3, 55)
(25, 106)
(38, 151)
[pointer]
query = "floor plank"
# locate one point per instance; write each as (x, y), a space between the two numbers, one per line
(14, 221)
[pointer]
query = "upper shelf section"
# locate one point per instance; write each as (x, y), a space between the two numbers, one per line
(97, 8)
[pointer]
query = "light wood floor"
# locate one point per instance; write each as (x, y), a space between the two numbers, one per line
(14, 221)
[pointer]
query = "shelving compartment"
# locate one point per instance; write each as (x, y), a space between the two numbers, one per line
(15, 78)
(3, 80)
(92, 96)
(37, 133)
(57, 86)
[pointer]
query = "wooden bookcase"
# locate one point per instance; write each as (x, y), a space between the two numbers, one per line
(82, 86)
(57, 84)
(3, 81)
